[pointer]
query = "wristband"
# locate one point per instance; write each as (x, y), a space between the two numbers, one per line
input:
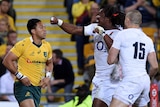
(60, 22)
(48, 74)
(19, 75)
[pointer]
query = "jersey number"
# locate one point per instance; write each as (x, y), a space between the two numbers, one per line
(139, 50)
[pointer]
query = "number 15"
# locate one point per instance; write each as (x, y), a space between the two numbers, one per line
(139, 50)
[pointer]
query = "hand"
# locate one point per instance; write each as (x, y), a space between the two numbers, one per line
(116, 74)
(44, 82)
(53, 20)
(100, 30)
(26, 81)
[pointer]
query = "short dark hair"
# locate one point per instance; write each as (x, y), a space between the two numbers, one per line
(32, 23)
(58, 52)
(3, 1)
(10, 32)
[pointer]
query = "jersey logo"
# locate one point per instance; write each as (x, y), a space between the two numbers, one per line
(32, 54)
(45, 54)
(39, 52)
(131, 96)
(27, 94)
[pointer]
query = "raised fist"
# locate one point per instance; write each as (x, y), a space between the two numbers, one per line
(53, 20)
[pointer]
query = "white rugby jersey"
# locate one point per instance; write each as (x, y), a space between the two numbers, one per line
(134, 46)
(100, 48)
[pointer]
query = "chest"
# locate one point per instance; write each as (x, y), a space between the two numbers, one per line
(37, 54)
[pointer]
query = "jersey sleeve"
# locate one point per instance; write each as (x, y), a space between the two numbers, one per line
(117, 41)
(88, 30)
(152, 48)
(18, 48)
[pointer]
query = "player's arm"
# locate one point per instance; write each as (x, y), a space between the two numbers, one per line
(113, 56)
(108, 41)
(67, 27)
(57, 81)
(100, 30)
(49, 68)
(9, 63)
(152, 59)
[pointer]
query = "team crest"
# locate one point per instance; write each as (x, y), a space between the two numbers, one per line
(45, 54)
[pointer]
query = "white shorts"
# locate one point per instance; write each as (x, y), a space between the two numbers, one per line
(103, 88)
(134, 90)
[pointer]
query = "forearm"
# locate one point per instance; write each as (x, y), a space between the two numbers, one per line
(132, 7)
(152, 71)
(61, 81)
(108, 41)
(58, 81)
(10, 65)
(67, 27)
(72, 29)
(49, 68)
(152, 59)
(150, 9)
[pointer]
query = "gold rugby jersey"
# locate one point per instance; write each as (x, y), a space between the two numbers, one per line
(32, 59)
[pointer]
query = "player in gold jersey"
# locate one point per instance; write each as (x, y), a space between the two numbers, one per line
(34, 60)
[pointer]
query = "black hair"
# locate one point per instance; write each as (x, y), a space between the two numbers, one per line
(32, 23)
(4, 0)
(10, 32)
(58, 52)
(114, 14)
(82, 92)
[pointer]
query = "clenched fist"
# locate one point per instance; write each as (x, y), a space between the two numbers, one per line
(100, 30)
(53, 20)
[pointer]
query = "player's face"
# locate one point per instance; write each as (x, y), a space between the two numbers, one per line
(3, 26)
(100, 17)
(12, 38)
(102, 20)
(54, 59)
(40, 30)
(4, 7)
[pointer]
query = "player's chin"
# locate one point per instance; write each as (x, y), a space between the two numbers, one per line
(44, 37)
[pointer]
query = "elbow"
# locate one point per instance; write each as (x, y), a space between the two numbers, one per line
(156, 69)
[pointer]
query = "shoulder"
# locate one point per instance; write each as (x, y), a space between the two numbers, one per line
(24, 42)
(65, 60)
(9, 17)
(92, 25)
(126, 31)
(44, 42)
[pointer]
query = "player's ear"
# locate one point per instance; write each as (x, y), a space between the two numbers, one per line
(33, 31)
